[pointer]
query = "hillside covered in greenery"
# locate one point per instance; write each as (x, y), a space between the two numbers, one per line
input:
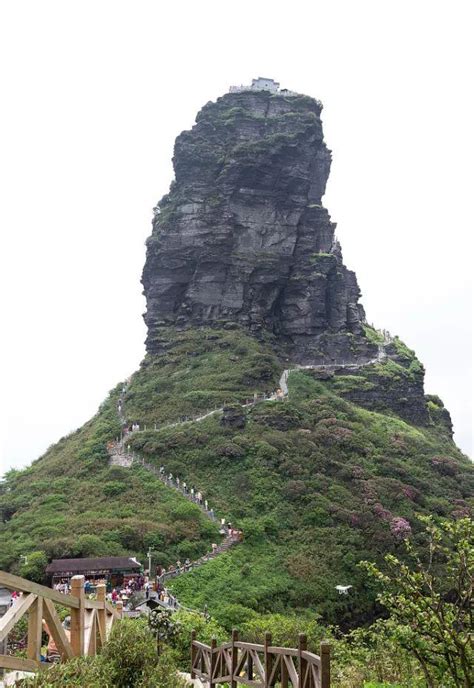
(316, 482)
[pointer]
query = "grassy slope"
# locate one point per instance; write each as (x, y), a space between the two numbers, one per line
(314, 482)
(71, 503)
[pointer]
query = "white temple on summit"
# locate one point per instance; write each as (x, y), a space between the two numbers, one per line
(263, 84)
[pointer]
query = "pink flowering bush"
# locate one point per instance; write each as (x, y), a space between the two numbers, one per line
(382, 512)
(400, 528)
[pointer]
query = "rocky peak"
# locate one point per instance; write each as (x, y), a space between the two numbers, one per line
(242, 236)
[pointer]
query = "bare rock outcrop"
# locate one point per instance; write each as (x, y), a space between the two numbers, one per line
(242, 237)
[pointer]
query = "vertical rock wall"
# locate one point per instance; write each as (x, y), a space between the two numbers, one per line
(243, 237)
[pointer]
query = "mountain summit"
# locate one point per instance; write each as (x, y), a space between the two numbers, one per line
(242, 240)
(242, 236)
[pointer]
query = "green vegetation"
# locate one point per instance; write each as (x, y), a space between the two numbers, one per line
(373, 335)
(201, 370)
(317, 474)
(71, 503)
(430, 600)
(128, 660)
(425, 641)
(316, 483)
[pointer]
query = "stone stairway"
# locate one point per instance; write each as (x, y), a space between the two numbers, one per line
(119, 457)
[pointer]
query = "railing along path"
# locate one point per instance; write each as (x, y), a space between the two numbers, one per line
(91, 620)
(274, 396)
(260, 666)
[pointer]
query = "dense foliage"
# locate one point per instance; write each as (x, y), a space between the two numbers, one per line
(431, 601)
(317, 483)
(128, 660)
(71, 503)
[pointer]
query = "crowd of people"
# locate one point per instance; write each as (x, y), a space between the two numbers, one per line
(229, 533)
(64, 586)
(190, 492)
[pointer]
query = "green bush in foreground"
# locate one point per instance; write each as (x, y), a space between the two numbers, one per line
(128, 660)
(430, 600)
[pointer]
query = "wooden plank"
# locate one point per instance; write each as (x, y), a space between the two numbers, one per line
(240, 662)
(249, 646)
(212, 666)
(18, 664)
(57, 630)
(202, 646)
(93, 604)
(276, 665)
(283, 651)
(35, 629)
(224, 646)
(233, 657)
(311, 657)
(291, 670)
(258, 665)
(284, 674)
(101, 614)
(8, 580)
(109, 621)
(77, 616)
(325, 652)
(302, 666)
(268, 659)
(90, 632)
(14, 614)
(315, 675)
(193, 653)
(111, 609)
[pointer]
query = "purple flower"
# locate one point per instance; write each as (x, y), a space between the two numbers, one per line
(399, 527)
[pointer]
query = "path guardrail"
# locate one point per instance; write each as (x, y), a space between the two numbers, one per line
(260, 666)
(91, 620)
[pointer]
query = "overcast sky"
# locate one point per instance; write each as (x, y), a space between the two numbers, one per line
(93, 96)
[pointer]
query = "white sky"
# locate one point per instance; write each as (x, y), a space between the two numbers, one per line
(93, 96)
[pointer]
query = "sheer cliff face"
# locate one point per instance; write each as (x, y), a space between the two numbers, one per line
(242, 236)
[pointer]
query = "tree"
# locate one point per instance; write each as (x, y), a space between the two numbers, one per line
(430, 597)
(165, 628)
(34, 566)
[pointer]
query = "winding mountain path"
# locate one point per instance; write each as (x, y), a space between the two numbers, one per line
(119, 456)
(120, 459)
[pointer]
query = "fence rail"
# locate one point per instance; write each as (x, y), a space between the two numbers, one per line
(91, 620)
(260, 666)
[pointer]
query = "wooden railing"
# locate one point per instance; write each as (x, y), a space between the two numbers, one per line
(260, 666)
(91, 620)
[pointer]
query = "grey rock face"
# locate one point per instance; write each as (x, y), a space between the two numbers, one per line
(243, 238)
(233, 417)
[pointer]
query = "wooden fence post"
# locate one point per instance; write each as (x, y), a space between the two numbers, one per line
(284, 672)
(233, 658)
(302, 646)
(325, 654)
(193, 653)
(101, 613)
(119, 607)
(213, 662)
(77, 616)
(268, 659)
(35, 628)
(249, 666)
